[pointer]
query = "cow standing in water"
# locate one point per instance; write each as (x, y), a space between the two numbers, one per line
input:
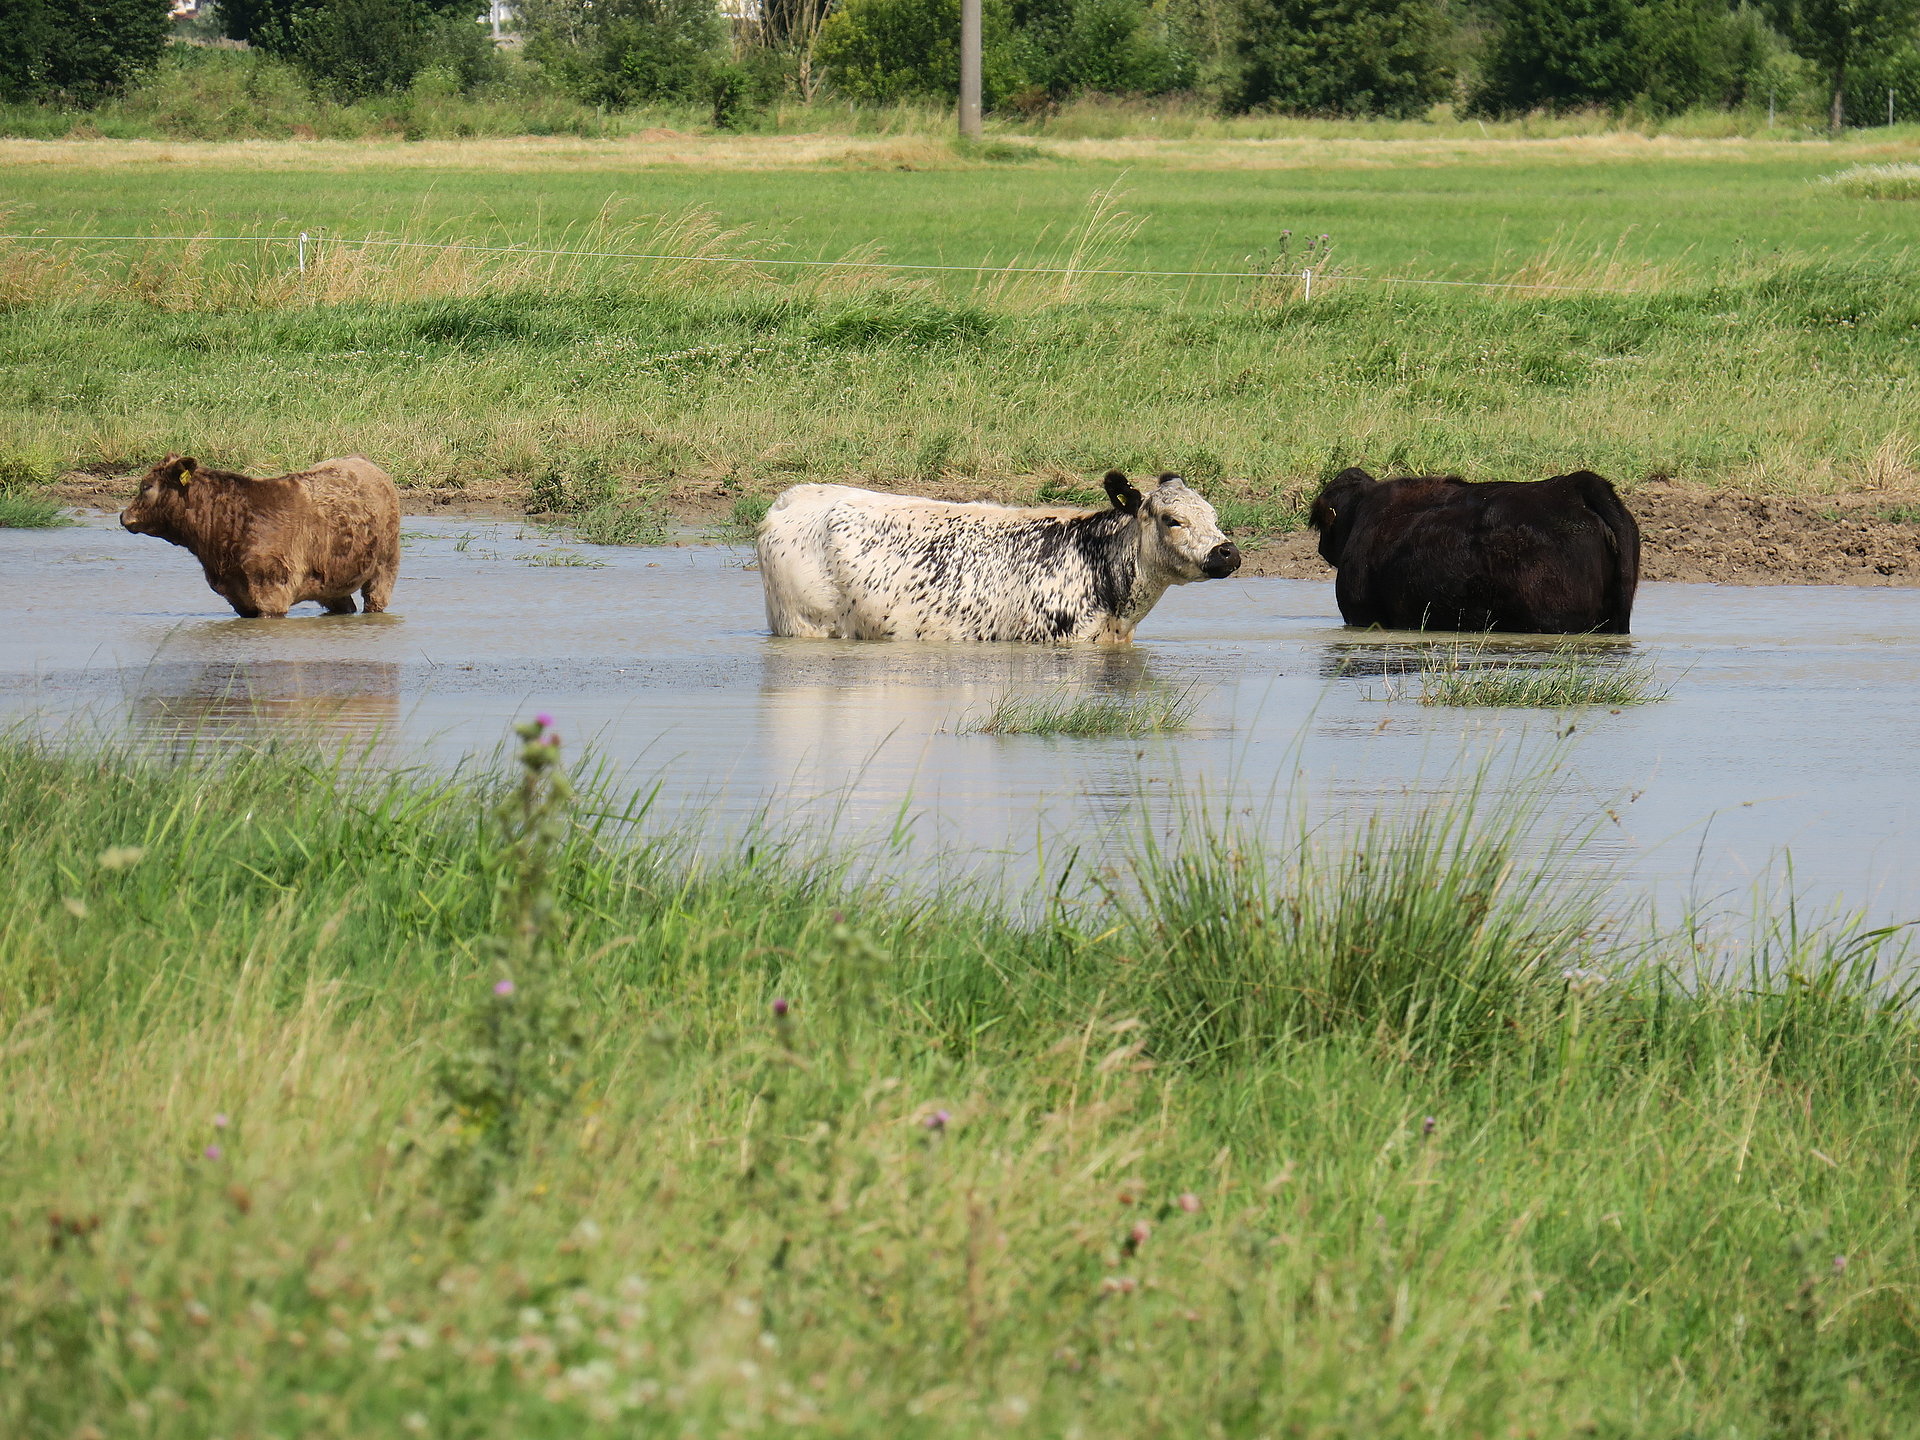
(1431, 552)
(847, 564)
(265, 545)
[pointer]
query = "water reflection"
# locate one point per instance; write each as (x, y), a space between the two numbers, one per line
(181, 706)
(1386, 654)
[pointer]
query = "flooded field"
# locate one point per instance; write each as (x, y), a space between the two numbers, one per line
(1787, 738)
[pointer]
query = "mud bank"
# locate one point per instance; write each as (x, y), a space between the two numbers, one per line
(1706, 536)
(1689, 534)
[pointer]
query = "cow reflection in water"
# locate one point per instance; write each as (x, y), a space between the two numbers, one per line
(318, 700)
(861, 722)
(1391, 659)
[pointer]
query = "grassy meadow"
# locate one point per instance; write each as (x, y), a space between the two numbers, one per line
(1728, 320)
(347, 1105)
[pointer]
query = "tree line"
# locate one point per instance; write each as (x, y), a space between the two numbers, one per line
(1339, 58)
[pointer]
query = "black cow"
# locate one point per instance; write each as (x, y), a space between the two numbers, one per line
(1431, 552)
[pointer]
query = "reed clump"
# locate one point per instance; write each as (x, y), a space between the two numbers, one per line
(789, 1146)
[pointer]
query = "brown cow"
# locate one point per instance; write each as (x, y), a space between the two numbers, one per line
(268, 544)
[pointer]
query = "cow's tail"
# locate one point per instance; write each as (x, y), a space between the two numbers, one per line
(1623, 540)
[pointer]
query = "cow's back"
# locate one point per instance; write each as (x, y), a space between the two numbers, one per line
(1439, 553)
(350, 528)
(841, 562)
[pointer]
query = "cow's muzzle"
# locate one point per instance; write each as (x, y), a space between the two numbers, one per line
(1221, 561)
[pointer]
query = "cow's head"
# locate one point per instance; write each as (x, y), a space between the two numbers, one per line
(1335, 507)
(1180, 535)
(163, 493)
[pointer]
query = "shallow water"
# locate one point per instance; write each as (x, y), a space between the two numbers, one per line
(1791, 727)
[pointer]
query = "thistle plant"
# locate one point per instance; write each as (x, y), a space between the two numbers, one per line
(518, 1066)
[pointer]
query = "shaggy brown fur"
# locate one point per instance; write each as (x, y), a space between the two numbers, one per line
(268, 544)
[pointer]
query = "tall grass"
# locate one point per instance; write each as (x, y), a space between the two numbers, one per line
(1877, 182)
(1390, 1140)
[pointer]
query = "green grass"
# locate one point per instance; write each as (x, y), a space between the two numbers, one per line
(1388, 1137)
(1154, 711)
(1775, 323)
(1574, 675)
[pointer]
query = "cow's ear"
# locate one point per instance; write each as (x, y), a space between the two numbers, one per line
(1121, 492)
(175, 467)
(185, 472)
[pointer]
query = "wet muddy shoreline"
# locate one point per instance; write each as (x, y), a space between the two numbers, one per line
(1689, 534)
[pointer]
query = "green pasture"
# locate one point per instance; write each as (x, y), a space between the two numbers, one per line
(1477, 216)
(340, 1106)
(1716, 315)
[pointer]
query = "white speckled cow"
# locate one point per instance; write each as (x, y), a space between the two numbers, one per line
(846, 564)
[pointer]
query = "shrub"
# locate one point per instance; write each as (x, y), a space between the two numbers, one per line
(1665, 55)
(1116, 46)
(889, 50)
(625, 51)
(1342, 57)
(77, 50)
(355, 48)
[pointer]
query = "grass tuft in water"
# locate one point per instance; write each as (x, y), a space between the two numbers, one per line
(619, 525)
(1573, 676)
(1155, 711)
(561, 559)
(25, 511)
(23, 505)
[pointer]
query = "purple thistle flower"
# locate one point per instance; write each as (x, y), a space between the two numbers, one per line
(1190, 1203)
(543, 720)
(212, 1152)
(779, 1009)
(1426, 1126)
(220, 1121)
(503, 987)
(937, 1121)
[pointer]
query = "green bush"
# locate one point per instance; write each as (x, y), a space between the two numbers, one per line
(1662, 55)
(77, 50)
(622, 52)
(889, 50)
(1342, 57)
(1112, 46)
(354, 48)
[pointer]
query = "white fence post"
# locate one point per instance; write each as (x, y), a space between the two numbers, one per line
(1307, 275)
(303, 252)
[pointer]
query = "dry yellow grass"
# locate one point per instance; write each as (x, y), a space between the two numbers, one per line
(669, 149)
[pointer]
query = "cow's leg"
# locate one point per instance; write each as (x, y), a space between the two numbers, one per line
(263, 602)
(339, 604)
(378, 590)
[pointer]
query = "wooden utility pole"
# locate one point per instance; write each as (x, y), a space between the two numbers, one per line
(969, 69)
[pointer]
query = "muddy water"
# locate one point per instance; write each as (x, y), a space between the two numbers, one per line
(1791, 729)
